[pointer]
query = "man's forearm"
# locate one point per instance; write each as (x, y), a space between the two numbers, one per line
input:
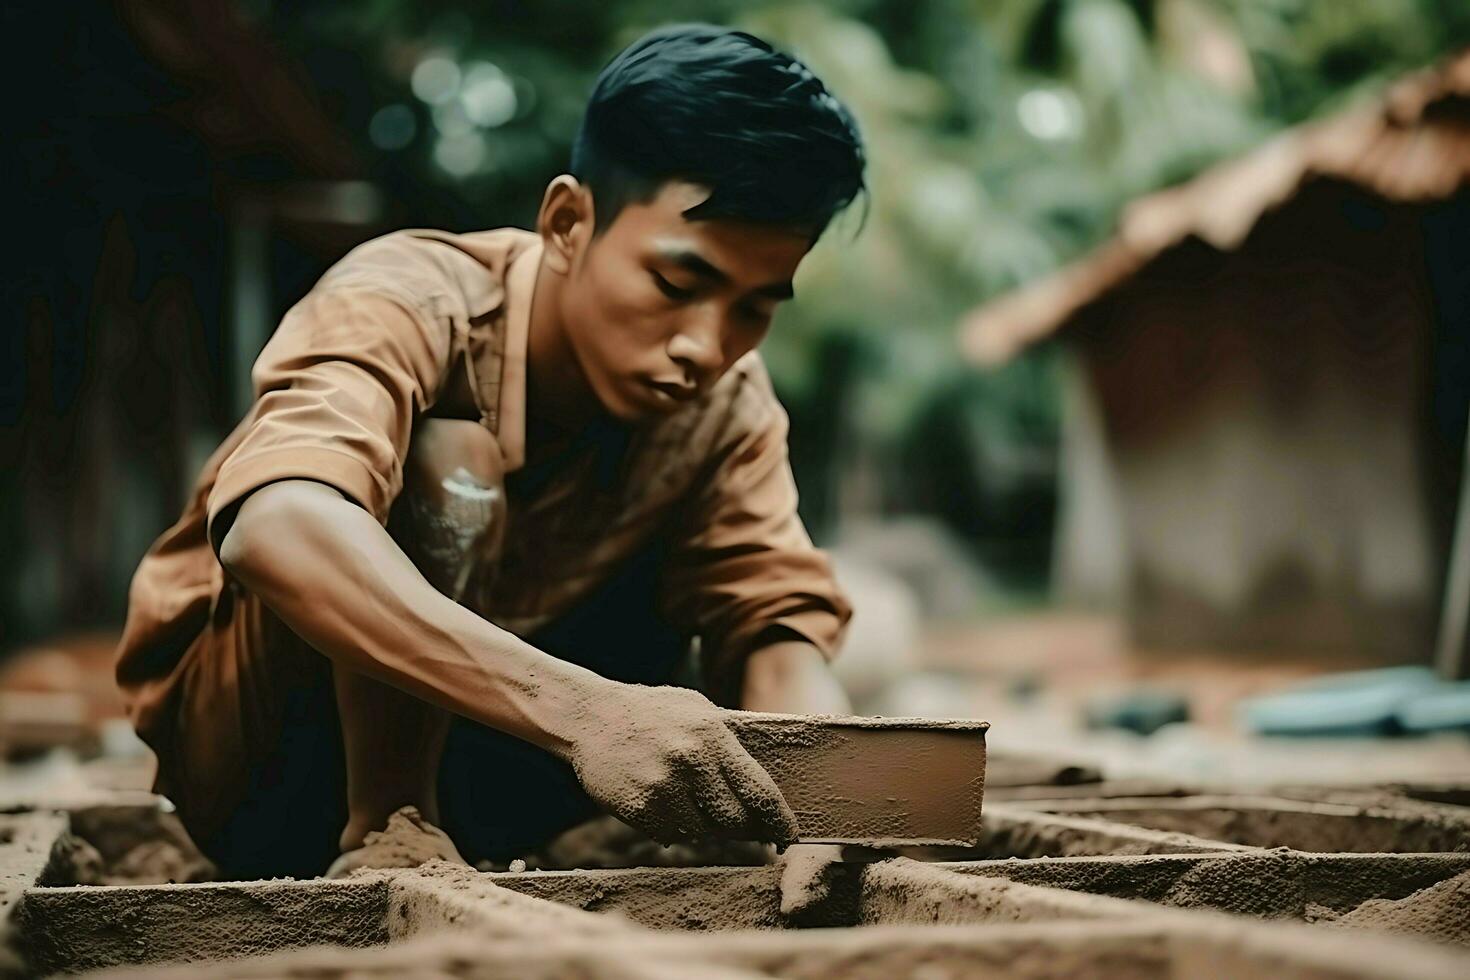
(791, 676)
(340, 582)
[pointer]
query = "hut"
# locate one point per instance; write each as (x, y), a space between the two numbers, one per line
(1265, 416)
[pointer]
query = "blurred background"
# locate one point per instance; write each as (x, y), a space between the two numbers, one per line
(1134, 415)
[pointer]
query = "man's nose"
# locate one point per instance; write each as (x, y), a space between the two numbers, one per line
(696, 347)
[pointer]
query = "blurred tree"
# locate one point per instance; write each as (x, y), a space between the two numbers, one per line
(1003, 134)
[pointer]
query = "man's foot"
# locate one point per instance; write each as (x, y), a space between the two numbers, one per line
(407, 842)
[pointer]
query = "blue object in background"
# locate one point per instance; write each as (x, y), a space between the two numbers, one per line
(1442, 708)
(1366, 702)
(1142, 711)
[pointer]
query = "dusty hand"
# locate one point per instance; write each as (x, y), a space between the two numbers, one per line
(662, 760)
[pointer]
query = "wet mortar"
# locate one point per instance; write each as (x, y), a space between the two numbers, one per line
(1075, 872)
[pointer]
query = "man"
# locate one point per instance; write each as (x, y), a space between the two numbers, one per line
(493, 485)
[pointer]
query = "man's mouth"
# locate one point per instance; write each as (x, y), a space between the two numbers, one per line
(674, 390)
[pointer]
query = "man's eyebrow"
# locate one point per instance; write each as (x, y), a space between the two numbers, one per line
(778, 290)
(693, 261)
(689, 259)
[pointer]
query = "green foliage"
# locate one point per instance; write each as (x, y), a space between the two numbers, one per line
(1004, 135)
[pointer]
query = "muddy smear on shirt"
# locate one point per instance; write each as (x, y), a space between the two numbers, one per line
(451, 531)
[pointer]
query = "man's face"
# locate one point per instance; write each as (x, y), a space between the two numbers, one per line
(657, 307)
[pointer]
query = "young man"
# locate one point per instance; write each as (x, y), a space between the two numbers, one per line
(493, 485)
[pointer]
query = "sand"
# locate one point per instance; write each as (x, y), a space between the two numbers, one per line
(607, 842)
(988, 908)
(1141, 947)
(407, 842)
(127, 845)
(1440, 912)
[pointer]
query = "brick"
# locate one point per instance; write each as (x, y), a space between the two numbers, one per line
(873, 781)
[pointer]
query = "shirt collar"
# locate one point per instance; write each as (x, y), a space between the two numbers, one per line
(520, 289)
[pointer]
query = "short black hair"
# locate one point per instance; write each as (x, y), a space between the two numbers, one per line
(724, 109)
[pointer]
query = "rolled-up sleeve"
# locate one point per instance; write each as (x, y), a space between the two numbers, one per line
(336, 392)
(743, 564)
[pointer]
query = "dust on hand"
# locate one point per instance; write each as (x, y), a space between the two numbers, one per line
(663, 760)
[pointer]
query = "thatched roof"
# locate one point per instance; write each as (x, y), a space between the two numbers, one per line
(1412, 145)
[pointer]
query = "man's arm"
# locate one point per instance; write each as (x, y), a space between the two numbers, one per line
(659, 758)
(790, 675)
(341, 583)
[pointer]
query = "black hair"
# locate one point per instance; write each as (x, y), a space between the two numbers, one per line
(724, 109)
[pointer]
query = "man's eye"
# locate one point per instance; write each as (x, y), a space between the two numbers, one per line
(670, 290)
(753, 314)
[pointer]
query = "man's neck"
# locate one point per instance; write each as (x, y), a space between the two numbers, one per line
(558, 398)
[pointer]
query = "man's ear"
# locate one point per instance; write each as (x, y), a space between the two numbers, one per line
(564, 222)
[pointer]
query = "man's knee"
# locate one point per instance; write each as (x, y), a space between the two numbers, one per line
(441, 448)
(452, 513)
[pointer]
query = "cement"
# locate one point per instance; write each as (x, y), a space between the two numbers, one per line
(26, 844)
(1279, 884)
(127, 845)
(1305, 826)
(1106, 950)
(1007, 918)
(1440, 913)
(1011, 830)
(693, 899)
(443, 896)
(885, 892)
(86, 928)
(100, 926)
(406, 842)
(1264, 884)
(904, 891)
(607, 842)
(26, 854)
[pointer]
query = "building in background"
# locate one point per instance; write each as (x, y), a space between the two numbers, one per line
(180, 184)
(1264, 428)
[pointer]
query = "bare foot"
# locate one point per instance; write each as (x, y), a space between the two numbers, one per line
(407, 842)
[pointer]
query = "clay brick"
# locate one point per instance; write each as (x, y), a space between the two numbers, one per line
(873, 781)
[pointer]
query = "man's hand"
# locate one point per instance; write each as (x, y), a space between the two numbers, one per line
(662, 760)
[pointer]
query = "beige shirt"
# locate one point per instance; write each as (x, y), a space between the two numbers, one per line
(371, 348)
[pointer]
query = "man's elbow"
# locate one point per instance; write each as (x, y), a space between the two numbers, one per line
(247, 545)
(239, 552)
(269, 526)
